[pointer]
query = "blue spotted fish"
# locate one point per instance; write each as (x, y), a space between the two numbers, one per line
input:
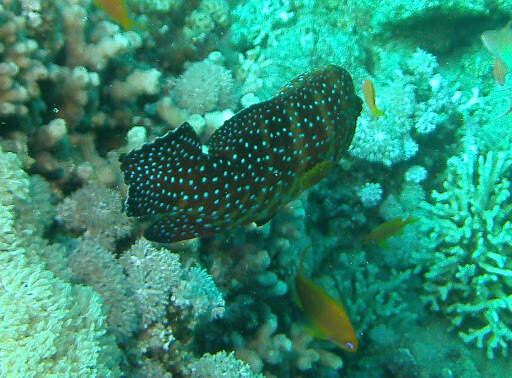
(255, 163)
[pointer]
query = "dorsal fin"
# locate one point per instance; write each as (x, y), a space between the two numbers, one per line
(184, 136)
(158, 168)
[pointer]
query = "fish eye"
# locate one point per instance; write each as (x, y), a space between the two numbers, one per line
(349, 345)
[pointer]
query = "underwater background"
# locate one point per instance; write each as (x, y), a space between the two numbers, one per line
(409, 235)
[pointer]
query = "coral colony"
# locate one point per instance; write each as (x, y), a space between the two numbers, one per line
(196, 189)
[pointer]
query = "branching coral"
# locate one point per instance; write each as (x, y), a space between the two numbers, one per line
(209, 15)
(439, 26)
(25, 62)
(306, 355)
(370, 292)
(267, 345)
(163, 6)
(72, 83)
(137, 83)
(105, 43)
(20, 70)
(414, 99)
(73, 90)
(470, 233)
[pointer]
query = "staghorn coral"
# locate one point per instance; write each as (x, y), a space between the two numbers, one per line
(470, 234)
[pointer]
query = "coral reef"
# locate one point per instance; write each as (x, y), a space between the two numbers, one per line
(414, 98)
(470, 234)
(48, 326)
(82, 294)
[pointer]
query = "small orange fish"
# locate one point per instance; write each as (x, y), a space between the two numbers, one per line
(117, 11)
(369, 98)
(499, 71)
(327, 315)
(386, 230)
(499, 44)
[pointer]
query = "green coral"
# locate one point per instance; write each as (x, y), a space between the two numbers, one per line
(47, 327)
(363, 282)
(468, 225)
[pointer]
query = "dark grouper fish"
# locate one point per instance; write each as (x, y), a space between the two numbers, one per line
(257, 161)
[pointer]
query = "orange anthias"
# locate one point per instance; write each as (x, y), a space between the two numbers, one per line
(369, 98)
(386, 230)
(499, 44)
(117, 11)
(327, 316)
